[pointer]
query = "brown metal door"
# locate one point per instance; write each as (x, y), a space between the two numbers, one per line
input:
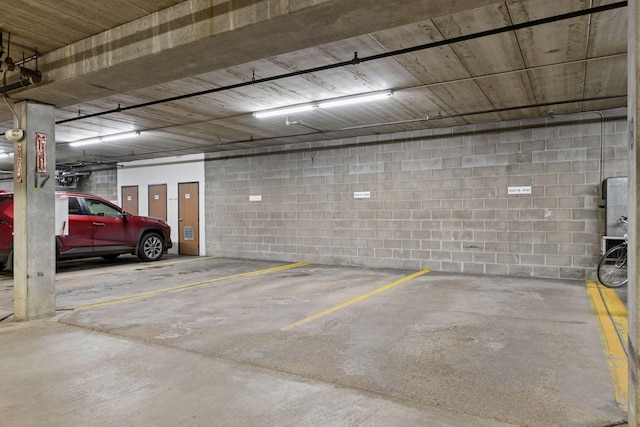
(130, 199)
(158, 201)
(188, 242)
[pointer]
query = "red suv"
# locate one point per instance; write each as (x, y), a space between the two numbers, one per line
(96, 228)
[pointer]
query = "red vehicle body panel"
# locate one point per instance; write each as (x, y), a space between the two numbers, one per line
(97, 227)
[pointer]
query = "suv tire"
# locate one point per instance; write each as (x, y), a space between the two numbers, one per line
(151, 247)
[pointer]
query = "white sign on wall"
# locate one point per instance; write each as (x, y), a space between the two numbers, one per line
(255, 198)
(362, 194)
(520, 190)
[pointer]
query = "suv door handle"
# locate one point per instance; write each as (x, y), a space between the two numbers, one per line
(101, 224)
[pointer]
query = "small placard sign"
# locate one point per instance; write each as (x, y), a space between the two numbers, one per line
(362, 194)
(256, 198)
(520, 190)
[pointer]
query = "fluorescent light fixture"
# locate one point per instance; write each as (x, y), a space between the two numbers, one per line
(85, 142)
(355, 99)
(120, 136)
(107, 138)
(283, 111)
(328, 103)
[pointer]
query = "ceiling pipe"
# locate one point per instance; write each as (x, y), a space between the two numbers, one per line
(552, 115)
(27, 78)
(27, 75)
(356, 60)
(17, 85)
(367, 126)
(494, 110)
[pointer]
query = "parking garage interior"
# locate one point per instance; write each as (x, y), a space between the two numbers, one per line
(424, 258)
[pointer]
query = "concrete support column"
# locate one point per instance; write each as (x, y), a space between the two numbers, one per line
(34, 249)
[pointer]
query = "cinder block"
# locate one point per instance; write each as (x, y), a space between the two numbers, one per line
(484, 258)
(426, 194)
(544, 271)
(573, 273)
(521, 270)
(532, 259)
(496, 269)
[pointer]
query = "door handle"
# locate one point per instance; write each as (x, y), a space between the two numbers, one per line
(179, 219)
(100, 224)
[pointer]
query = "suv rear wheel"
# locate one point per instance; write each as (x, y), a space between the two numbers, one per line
(150, 247)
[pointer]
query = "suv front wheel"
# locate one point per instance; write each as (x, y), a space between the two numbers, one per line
(150, 247)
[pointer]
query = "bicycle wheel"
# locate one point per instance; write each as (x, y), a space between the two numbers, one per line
(612, 269)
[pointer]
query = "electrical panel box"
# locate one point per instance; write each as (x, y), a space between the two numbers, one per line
(609, 242)
(616, 193)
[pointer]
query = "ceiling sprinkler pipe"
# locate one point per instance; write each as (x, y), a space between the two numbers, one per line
(552, 115)
(28, 77)
(16, 85)
(602, 201)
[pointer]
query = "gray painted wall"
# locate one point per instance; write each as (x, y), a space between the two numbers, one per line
(438, 199)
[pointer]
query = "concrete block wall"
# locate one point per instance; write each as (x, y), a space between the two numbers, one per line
(438, 198)
(7, 185)
(101, 182)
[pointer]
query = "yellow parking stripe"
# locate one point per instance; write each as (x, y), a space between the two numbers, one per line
(190, 286)
(354, 300)
(612, 316)
(179, 261)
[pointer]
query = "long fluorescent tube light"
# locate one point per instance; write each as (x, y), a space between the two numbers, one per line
(120, 136)
(283, 111)
(85, 142)
(355, 99)
(107, 138)
(328, 103)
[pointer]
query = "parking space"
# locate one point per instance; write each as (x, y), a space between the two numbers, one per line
(364, 346)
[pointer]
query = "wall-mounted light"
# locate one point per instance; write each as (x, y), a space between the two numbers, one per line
(327, 103)
(107, 138)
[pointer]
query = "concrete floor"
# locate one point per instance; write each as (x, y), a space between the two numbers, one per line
(194, 341)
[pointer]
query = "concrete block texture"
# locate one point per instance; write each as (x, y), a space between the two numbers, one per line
(99, 183)
(527, 196)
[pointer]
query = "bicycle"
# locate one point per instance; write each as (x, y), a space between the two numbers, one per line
(612, 268)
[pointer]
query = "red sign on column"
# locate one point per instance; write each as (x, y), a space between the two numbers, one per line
(41, 152)
(19, 162)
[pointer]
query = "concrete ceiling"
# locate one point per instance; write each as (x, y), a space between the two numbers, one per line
(105, 59)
